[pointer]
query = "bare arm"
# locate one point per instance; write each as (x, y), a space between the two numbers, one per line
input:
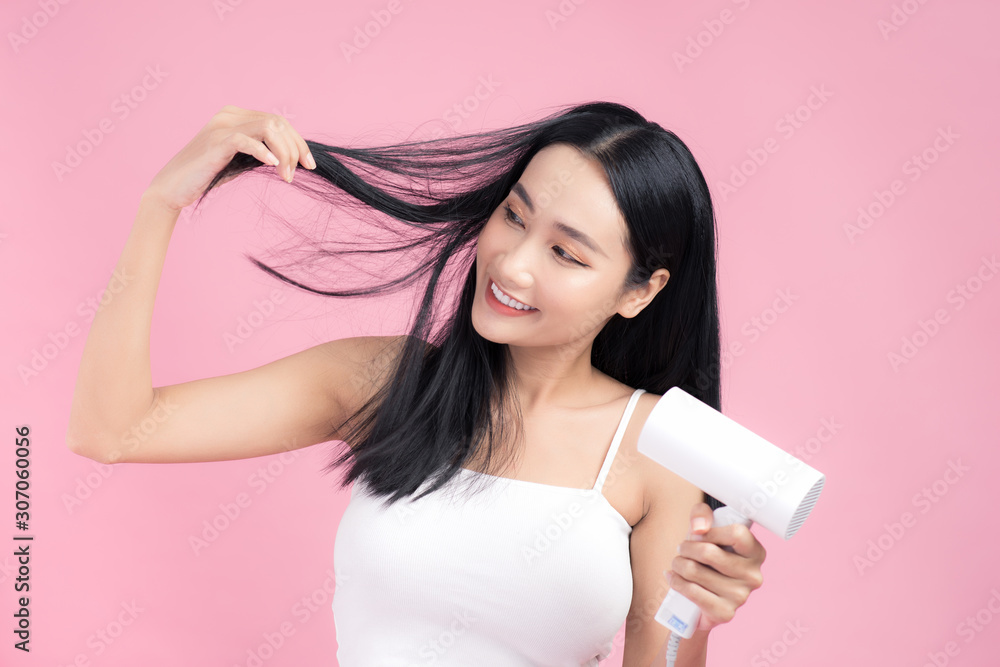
(287, 404)
(113, 385)
(117, 415)
(653, 544)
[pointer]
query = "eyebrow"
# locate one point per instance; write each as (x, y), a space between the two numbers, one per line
(571, 232)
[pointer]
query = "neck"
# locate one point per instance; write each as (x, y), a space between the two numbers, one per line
(551, 377)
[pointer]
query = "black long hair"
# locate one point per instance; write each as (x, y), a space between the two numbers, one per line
(448, 397)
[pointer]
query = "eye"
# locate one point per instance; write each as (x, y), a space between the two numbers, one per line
(510, 215)
(562, 254)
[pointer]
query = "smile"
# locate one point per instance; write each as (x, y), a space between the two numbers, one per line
(502, 303)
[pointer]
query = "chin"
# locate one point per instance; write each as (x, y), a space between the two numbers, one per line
(479, 330)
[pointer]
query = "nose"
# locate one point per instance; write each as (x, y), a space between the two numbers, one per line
(513, 267)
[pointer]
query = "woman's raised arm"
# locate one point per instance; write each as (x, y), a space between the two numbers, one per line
(116, 413)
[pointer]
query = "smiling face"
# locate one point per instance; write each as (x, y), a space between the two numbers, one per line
(556, 244)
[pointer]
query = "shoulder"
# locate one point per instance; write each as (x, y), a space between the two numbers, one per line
(368, 362)
(658, 486)
(382, 352)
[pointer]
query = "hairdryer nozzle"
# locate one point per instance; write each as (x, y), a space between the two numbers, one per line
(729, 462)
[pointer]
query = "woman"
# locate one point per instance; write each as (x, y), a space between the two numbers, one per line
(598, 225)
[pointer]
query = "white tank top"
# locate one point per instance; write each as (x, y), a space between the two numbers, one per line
(520, 574)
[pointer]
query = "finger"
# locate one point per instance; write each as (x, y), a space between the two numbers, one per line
(701, 520)
(308, 160)
(726, 590)
(744, 543)
(730, 565)
(300, 152)
(254, 147)
(713, 557)
(279, 126)
(297, 148)
(275, 132)
(699, 573)
(274, 151)
(726, 545)
(717, 609)
(736, 536)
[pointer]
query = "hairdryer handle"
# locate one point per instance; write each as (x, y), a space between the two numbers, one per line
(677, 612)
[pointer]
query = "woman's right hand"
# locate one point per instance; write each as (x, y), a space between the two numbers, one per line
(266, 136)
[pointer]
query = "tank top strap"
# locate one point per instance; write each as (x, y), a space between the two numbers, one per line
(616, 441)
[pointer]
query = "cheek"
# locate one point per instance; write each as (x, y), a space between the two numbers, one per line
(587, 304)
(484, 244)
(571, 301)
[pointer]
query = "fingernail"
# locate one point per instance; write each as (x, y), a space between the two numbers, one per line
(699, 524)
(310, 161)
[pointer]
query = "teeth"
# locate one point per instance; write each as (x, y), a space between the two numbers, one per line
(507, 301)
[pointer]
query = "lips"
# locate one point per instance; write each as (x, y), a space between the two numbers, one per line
(528, 306)
(499, 307)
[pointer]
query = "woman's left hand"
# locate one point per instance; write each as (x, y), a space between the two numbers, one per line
(718, 581)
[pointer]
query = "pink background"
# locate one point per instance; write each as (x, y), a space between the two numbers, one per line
(888, 90)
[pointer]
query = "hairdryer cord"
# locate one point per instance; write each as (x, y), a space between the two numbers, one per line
(672, 645)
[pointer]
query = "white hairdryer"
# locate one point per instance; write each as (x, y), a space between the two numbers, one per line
(756, 480)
